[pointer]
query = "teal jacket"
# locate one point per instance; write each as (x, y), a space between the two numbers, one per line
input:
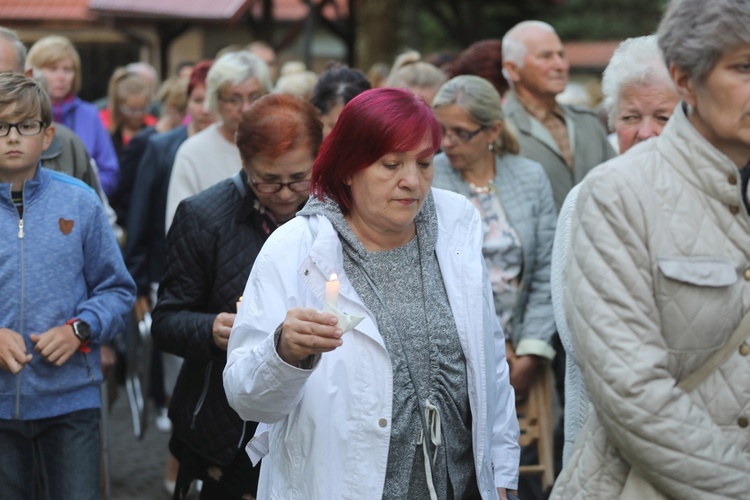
(60, 261)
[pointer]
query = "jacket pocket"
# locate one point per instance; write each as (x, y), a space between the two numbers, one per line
(695, 297)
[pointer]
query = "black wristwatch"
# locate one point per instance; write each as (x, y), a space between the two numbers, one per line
(81, 329)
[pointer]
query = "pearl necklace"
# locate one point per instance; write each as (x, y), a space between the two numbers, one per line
(489, 188)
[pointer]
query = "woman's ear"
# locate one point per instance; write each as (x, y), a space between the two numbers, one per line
(495, 129)
(684, 84)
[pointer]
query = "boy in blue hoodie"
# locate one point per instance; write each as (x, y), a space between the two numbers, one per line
(64, 290)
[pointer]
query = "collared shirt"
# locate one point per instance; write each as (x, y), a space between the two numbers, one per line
(554, 121)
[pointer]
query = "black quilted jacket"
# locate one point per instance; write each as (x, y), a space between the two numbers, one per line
(211, 247)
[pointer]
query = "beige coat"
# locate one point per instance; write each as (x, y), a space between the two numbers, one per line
(658, 278)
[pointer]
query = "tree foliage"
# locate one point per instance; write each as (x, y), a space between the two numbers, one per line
(605, 20)
(387, 27)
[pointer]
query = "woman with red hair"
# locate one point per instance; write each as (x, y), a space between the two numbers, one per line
(211, 247)
(413, 401)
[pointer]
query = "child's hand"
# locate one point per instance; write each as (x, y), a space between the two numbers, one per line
(13, 355)
(57, 344)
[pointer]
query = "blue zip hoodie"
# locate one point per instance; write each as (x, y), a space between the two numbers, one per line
(60, 261)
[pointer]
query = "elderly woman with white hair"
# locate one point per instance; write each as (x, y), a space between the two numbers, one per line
(639, 98)
(235, 81)
(658, 283)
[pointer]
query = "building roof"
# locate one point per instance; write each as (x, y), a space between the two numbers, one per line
(213, 10)
(594, 55)
(209, 10)
(217, 10)
(32, 10)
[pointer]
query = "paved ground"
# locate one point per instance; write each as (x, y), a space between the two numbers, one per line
(137, 466)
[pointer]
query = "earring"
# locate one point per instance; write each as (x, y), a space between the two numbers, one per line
(491, 147)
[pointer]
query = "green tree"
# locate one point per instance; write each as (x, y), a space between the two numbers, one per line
(605, 20)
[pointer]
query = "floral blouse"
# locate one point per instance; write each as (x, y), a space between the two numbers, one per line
(502, 253)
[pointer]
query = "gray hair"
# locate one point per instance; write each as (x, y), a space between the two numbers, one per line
(636, 62)
(18, 45)
(693, 34)
(514, 49)
(481, 101)
(231, 69)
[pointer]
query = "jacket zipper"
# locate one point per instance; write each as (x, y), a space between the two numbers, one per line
(21, 327)
(203, 395)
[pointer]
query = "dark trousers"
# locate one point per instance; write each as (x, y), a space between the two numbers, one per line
(51, 458)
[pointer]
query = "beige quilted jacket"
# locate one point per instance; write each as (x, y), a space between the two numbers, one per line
(658, 277)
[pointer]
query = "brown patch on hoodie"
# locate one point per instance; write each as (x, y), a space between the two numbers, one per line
(66, 226)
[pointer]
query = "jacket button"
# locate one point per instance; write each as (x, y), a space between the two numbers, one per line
(734, 209)
(747, 274)
(307, 271)
(382, 422)
(742, 422)
(732, 179)
(744, 349)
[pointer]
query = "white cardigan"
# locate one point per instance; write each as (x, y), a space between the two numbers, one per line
(330, 426)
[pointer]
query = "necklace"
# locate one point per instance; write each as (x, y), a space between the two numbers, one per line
(489, 188)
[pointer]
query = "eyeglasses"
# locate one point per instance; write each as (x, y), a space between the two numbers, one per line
(275, 187)
(128, 111)
(237, 100)
(25, 128)
(461, 134)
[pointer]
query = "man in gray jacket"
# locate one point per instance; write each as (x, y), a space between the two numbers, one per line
(567, 140)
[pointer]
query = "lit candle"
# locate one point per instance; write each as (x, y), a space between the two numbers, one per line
(238, 304)
(332, 291)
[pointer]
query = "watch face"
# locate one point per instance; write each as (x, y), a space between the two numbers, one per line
(82, 330)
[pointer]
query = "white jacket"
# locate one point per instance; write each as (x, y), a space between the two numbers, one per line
(330, 427)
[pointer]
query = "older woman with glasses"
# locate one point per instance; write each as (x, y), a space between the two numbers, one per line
(513, 196)
(658, 283)
(234, 82)
(211, 248)
(414, 401)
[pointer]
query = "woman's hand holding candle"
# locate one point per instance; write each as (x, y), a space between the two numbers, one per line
(307, 332)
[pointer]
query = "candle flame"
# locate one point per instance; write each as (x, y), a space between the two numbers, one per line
(334, 277)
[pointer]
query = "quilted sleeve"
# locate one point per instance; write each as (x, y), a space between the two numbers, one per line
(616, 332)
(180, 324)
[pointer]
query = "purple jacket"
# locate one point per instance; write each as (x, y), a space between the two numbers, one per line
(83, 118)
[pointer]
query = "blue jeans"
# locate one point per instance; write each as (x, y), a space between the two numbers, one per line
(51, 458)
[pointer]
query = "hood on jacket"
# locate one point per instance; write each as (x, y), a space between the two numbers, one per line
(426, 221)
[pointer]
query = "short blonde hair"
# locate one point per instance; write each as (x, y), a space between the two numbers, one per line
(51, 49)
